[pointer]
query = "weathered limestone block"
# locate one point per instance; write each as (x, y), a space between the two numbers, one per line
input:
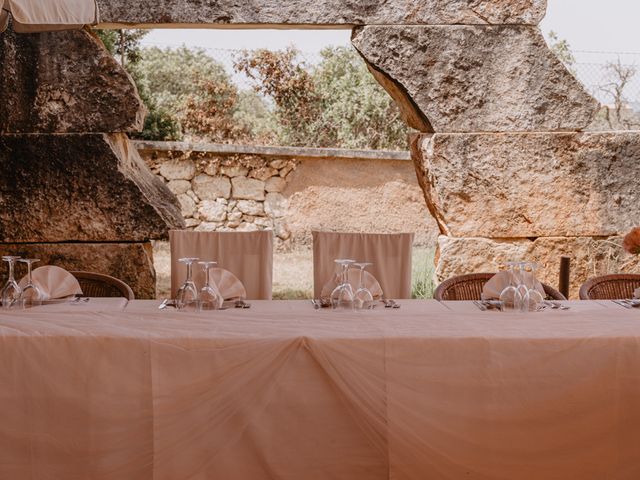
(211, 188)
(213, 211)
(475, 78)
(275, 205)
(322, 12)
(275, 185)
(56, 188)
(130, 262)
(64, 82)
(178, 169)
(531, 185)
(589, 257)
(248, 188)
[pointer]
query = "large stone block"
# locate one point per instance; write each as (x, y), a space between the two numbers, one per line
(475, 78)
(64, 82)
(531, 185)
(589, 257)
(56, 188)
(321, 12)
(130, 262)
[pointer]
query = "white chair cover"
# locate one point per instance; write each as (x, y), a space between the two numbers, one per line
(31, 16)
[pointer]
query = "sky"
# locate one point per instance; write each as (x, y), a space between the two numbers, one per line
(588, 26)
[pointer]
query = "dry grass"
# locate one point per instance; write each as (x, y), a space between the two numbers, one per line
(293, 273)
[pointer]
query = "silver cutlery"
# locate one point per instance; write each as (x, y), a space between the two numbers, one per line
(390, 303)
(628, 303)
(480, 306)
(555, 305)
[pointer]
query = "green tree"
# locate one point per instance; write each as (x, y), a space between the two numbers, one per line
(337, 103)
(562, 49)
(125, 46)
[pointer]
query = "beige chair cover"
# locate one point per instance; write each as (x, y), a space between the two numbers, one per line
(389, 253)
(248, 255)
(48, 15)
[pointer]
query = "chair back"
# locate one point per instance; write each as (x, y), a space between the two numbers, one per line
(100, 285)
(248, 255)
(469, 287)
(390, 255)
(610, 287)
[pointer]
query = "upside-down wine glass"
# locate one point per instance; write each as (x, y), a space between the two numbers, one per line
(363, 298)
(31, 294)
(11, 291)
(342, 295)
(210, 296)
(510, 297)
(188, 293)
(533, 299)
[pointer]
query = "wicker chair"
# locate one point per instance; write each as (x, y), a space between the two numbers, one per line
(610, 287)
(99, 285)
(469, 287)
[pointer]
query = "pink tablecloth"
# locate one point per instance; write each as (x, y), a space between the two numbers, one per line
(283, 391)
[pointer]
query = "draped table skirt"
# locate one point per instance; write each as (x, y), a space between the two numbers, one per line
(281, 391)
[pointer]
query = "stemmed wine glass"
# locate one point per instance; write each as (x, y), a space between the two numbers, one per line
(11, 291)
(510, 297)
(363, 297)
(533, 299)
(31, 294)
(210, 296)
(188, 293)
(342, 295)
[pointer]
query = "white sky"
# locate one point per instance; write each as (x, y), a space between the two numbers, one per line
(588, 25)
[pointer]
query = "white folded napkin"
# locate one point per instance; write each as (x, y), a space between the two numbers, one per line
(501, 280)
(230, 287)
(370, 283)
(54, 282)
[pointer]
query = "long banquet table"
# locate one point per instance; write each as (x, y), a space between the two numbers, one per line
(107, 390)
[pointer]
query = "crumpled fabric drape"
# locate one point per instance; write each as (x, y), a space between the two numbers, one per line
(42, 16)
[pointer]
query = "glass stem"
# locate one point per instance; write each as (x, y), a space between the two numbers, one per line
(29, 273)
(361, 278)
(11, 263)
(188, 272)
(206, 276)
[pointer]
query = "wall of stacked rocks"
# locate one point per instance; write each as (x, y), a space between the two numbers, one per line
(292, 191)
(73, 191)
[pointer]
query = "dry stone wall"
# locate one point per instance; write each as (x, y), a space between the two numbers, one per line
(292, 194)
(232, 193)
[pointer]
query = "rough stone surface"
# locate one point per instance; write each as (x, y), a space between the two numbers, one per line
(130, 262)
(275, 205)
(64, 82)
(211, 188)
(263, 173)
(212, 211)
(178, 169)
(234, 171)
(275, 184)
(476, 78)
(589, 257)
(187, 205)
(179, 186)
(247, 188)
(322, 12)
(251, 207)
(56, 188)
(531, 185)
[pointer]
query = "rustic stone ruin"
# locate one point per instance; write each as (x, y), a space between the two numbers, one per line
(501, 157)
